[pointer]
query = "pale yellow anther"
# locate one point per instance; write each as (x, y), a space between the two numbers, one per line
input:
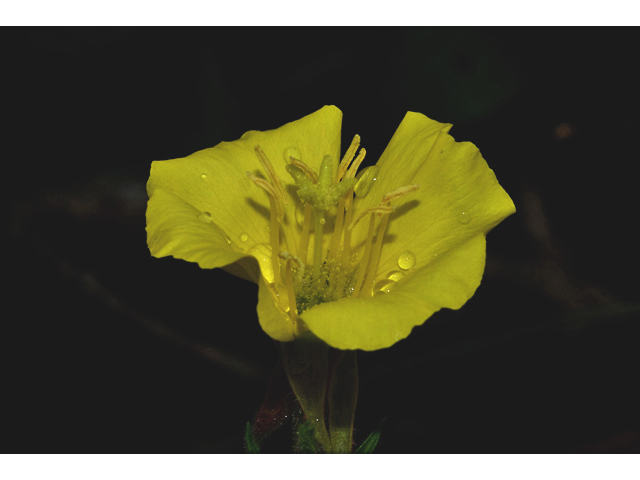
(399, 192)
(268, 187)
(380, 209)
(351, 151)
(271, 173)
(356, 164)
(313, 176)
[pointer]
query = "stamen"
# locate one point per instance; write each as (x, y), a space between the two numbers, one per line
(274, 232)
(317, 244)
(304, 237)
(277, 216)
(365, 258)
(293, 310)
(356, 164)
(375, 255)
(337, 231)
(351, 173)
(351, 151)
(380, 209)
(400, 192)
(305, 168)
(275, 180)
(346, 249)
(267, 187)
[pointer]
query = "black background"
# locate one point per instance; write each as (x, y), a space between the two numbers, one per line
(110, 350)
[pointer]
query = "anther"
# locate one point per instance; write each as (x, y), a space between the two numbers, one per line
(356, 164)
(351, 151)
(400, 192)
(311, 175)
(275, 180)
(268, 187)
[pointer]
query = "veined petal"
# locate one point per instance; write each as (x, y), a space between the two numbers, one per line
(382, 320)
(214, 180)
(176, 228)
(459, 196)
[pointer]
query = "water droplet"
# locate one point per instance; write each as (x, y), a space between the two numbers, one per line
(205, 217)
(262, 253)
(244, 237)
(228, 240)
(383, 286)
(406, 260)
(300, 217)
(204, 175)
(366, 178)
(395, 275)
(267, 228)
(323, 221)
(464, 218)
(291, 152)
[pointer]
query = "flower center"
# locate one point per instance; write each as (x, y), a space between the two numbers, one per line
(332, 270)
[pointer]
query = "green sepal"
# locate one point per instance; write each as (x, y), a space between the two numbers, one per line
(251, 444)
(306, 440)
(305, 361)
(372, 440)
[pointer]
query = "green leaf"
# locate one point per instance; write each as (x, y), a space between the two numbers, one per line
(252, 445)
(372, 440)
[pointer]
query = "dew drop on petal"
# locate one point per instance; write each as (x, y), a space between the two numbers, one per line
(267, 228)
(203, 176)
(291, 152)
(464, 218)
(406, 260)
(366, 178)
(323, 221)
(395, 275)
(244, 237)
(262, 253)
(205, 217)
(384, 286)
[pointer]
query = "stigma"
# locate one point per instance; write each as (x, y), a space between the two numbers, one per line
(319, 262)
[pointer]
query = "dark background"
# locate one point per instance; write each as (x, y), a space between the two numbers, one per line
(110, 350)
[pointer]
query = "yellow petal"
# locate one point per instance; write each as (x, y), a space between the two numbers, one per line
(178, 229)
(273, 320)
(382, 320)
(459, 196)
(214, 180)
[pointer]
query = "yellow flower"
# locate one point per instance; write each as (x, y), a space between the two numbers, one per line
(359, 270)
